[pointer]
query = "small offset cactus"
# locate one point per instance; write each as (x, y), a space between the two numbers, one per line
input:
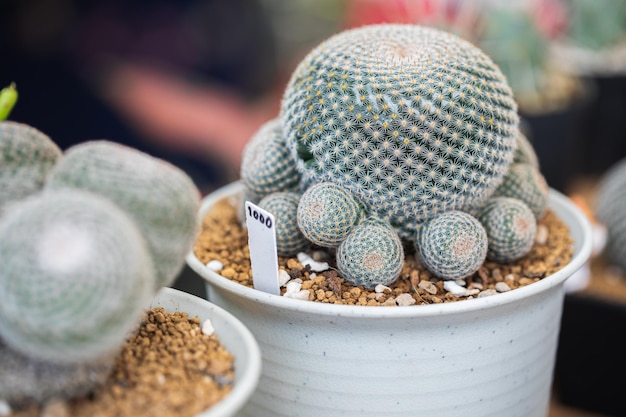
(327, 213)
(76, 276)
(453, 245)
(526, 183)
(610, 209)
(26, 157)
(266, 165)
(26, 380)
(372, 254)
(525, 152)
(412, 121)
(511, 227)
(284, 206)
(160, 197)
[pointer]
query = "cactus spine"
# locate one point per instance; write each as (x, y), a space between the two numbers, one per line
(411, 120)
(452, 245)
(284, 206)
(26, 157)
(372, 254)
(526, 183)
(160, 197)
(76, 275)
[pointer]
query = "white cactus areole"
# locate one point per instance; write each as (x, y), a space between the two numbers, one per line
(412, 120)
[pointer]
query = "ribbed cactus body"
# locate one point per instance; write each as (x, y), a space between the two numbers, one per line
(76, 274)
(160, 197)
(372, 254)
(26, 157)
(511, 227)
(266, 165)
(26, 380)
(525, 182)
(525, 152)
(327, 213)
(411, 120)
(452, 245)
(610, 209)
(284, 207)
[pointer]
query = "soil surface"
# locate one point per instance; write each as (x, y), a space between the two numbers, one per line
(224, 239)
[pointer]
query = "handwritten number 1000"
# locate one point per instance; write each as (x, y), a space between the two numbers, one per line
(267, 221)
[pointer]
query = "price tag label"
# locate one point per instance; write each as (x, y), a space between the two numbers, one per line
(262, 242)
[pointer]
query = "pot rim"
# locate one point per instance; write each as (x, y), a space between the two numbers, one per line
(563, 206)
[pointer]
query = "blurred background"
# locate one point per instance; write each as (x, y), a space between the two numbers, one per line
(190, 81)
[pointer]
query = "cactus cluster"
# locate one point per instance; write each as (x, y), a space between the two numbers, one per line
(610, 209)
(396, 129)
(105, 227)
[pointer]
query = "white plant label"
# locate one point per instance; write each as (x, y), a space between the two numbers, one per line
(263, 255)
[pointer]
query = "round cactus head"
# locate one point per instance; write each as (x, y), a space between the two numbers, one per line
(161, 198)
(452, 245)
(26, 157)
(327, 213)
(525, 182)
(411, 120)
(525, 152)
(284, 206)
(511, 227)
(76, 274)
(372, 254)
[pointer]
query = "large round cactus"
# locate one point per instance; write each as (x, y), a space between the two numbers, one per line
(610, 208)
(76, 275)
(161, 198)
(411, 120)
(26, 157)
(372, 254)
(452, 245)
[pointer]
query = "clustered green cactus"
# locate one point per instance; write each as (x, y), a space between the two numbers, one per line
(610, 209)
(105, 227)
(284, 206)
(405, 124)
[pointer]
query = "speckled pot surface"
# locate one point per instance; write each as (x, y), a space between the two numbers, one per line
(490, 356)
(233, 334)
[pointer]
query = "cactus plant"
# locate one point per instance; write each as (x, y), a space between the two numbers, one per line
(266, 165)
(371, 254)
(327, 213)
(26, 157)
(452, 245)
(412, 121)
(160, 197)
(526, 183)
(511, 227)
(8, 98)
(76, 274)
(284, 206)
(610, 209)
(525, 152)
(26, 380)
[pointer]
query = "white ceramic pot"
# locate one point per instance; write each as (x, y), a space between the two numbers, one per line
(489, 356)
(235, 337)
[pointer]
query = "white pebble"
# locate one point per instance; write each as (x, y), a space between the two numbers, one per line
(380, 288)
(428, 286)
(405, 300)
(541, 236)
(215, 265)
(502, 287)
(457, 290)
(487, 292)
(293, 286)
(299, 295)
(509, 277)
(207, 327)
(461, 282)
(283, 277)
(5, 408)
(305, 260)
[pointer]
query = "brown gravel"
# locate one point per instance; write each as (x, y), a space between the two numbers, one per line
(168, 369)
(222, 238)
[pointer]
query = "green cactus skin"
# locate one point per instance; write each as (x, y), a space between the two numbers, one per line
(266, 165)
(76, 275)
(26, 380)
(372, 254)
(511, 228)
(327, 213)
(26, 157)
(452, 245)
(525, 152)
(412, 121)
(525, 182)
(284, 206)
(610, 209)
(160, 197)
